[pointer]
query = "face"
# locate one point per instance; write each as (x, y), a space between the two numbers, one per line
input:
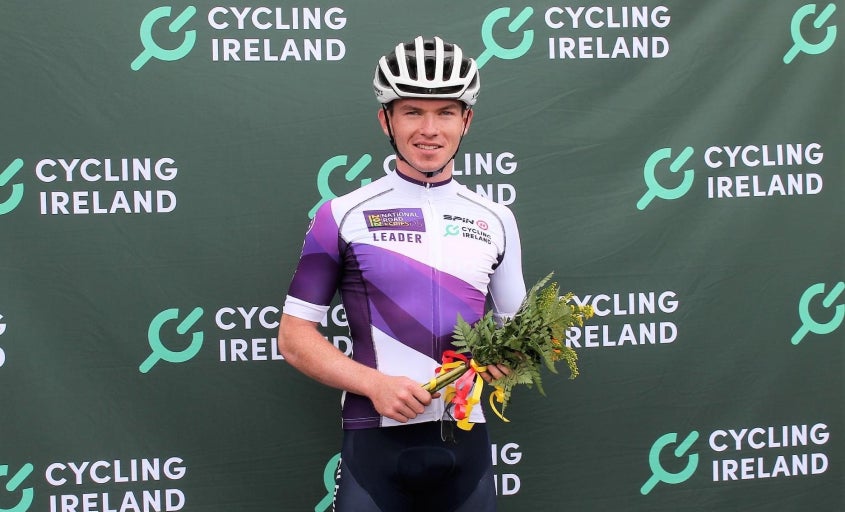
(427, 133)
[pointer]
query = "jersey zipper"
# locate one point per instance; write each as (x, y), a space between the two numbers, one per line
(435, 255)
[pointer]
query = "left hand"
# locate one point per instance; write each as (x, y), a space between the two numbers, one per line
(493, 372)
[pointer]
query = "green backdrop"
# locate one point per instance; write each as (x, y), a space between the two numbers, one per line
(677, 164)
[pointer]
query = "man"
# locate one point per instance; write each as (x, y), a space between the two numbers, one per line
(408, 253)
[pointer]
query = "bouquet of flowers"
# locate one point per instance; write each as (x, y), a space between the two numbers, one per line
(526, 343)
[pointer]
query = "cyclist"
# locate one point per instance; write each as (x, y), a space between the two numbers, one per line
(407, 253)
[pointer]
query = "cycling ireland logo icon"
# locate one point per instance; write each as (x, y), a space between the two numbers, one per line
(333, 163)
(658, 472)
(654, 187)
(12, 198)
(152, 49)
(160, 351)
(808, 323)
(800, 43)
(12, 486)
(492, 48)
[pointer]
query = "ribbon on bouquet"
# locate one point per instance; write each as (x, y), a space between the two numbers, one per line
(464, 384)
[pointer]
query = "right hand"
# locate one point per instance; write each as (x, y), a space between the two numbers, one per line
(399, 398)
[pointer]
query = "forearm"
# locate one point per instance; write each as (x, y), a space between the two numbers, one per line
(304, 348)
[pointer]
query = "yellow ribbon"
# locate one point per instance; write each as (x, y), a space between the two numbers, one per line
(475, 397)
(498, 396)
(445, 368)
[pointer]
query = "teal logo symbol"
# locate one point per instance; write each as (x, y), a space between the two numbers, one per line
(658, 473)
(16, 195)
(452, 230)
(326, 171)
(14, 483)
(159, 351)
(655, 189)
(328, 482)
(808, 323)
(800, 44)
(152, 49)
(492, 48)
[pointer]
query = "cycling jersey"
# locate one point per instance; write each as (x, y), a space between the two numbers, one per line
(407, 258)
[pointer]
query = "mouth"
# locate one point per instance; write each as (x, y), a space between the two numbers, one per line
(427, 147)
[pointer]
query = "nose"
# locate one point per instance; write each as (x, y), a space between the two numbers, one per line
(428, 126)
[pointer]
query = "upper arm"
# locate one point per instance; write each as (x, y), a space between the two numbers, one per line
(316, 276)
(507, 285)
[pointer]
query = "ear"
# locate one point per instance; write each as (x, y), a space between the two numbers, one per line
(468, 114)
(382, 119)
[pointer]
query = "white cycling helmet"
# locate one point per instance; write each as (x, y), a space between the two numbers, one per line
(426, 68)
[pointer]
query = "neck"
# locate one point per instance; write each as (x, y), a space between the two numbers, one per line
(405, 169)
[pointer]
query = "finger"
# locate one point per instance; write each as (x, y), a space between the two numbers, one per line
(423, 397)
(489, 377)
(416, 408)
(413, 410)
(493, 373)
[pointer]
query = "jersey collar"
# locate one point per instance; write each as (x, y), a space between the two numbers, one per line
(409, 183)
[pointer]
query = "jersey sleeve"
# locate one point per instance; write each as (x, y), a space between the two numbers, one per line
(507, 285)
(315, 280)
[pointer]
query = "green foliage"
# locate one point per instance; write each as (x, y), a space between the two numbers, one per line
(529, 341)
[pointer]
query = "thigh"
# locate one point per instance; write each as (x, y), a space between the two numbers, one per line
(472, 487)
(350, 495)
(366, 476)
(483, 495)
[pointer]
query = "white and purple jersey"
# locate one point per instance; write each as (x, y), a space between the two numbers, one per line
(407, 258)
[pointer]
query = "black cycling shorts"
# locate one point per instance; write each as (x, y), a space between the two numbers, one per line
(411, 468)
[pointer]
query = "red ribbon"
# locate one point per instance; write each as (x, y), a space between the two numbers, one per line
(449, 356)
(460, 393)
